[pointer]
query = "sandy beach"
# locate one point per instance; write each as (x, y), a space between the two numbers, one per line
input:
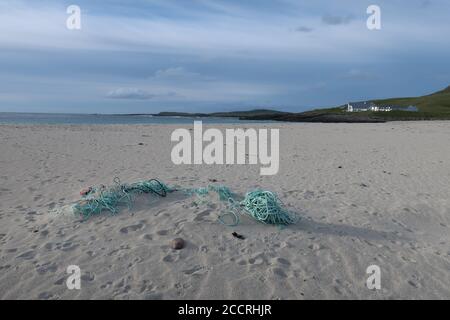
(367, 194)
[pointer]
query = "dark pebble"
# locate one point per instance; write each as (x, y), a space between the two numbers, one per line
(177, 244)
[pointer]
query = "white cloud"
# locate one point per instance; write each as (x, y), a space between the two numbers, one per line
(337, 20)
(217, 33)
(176, 73)
(357, 74)
(304, 29)
(130, 93)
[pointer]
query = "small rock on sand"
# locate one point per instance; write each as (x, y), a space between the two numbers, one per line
(177, 244)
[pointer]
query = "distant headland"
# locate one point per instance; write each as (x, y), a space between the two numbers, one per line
(435, 106)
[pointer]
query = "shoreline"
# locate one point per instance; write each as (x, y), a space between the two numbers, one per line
(219, 124)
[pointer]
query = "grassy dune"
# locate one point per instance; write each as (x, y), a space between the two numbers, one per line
(433, 106)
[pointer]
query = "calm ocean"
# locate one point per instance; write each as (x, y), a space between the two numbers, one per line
(56, 118)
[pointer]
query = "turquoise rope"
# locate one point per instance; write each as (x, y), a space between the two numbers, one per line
(263, 206)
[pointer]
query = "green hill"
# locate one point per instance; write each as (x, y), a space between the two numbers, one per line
(435, 106)
(438, 102)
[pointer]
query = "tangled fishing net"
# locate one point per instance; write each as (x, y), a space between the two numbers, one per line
(261, 205)
(265, 207)
(96, 200)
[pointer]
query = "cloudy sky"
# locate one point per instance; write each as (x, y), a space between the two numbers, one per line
(205, 55)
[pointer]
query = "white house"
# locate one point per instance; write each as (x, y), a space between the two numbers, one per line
(360, 106)
(380, 108)
(366, 106)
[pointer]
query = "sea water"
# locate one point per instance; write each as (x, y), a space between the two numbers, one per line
(60, 118)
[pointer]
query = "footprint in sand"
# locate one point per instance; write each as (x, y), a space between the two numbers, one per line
(279, 272)
(68, 246)
(51, 205)
(49, 246)
(154, 296)
(106, 285)
(27, 255)
(147, 237)
(315, 247)
(132, 228)
(200, 217)
(60, 281)
(44, 233)
(195, 270)
(47, 296)
(46, 267)
(162, 232)
(169, 258)
(88, 277)
(283, 262)
(90, 253)
(256, 261)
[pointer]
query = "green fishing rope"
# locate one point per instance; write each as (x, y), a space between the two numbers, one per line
(265, 207)
(261, 205)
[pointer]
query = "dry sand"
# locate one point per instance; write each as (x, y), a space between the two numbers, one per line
(367, 194)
